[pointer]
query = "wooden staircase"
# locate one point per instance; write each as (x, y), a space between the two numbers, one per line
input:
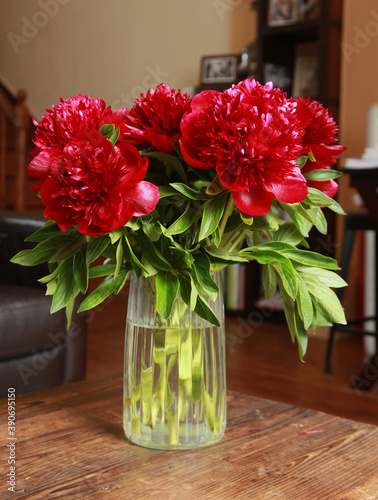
(16, 132)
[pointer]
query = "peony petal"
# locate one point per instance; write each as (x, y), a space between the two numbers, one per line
(291, 187)
(144, 197)
(40, 165)
(190, 155)
(256, 201)
(161, 142)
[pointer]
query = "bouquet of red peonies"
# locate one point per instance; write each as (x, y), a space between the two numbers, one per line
(179, 187)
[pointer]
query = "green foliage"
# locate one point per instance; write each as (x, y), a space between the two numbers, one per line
(196, 230)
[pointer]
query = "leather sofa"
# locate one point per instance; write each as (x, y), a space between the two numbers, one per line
(36, 349)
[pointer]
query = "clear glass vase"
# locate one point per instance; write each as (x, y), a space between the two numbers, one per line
(174, 374)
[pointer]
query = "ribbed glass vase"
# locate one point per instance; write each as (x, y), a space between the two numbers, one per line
(174, 374)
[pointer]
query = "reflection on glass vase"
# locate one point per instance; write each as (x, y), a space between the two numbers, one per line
(174, 374)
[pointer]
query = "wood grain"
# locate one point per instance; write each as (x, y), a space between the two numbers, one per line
(70, 444)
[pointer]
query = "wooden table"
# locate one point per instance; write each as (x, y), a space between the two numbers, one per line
(70, 444)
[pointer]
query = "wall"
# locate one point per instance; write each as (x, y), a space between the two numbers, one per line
(114, 49)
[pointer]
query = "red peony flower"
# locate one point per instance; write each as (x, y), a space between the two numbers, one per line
(320, 138)
(321, 134)
(96, 185)
(61, 123)
(154, 119)
(251, 134)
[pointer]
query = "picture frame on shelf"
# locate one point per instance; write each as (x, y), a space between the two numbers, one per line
(282, 12)
(306, 77)
(306, 71)
(219, 69)
(279, 75)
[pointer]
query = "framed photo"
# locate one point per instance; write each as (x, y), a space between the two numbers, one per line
(219, 69)
(306, 77)
(282, 12)
(306, 70)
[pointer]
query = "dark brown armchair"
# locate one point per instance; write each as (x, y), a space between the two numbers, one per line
(36, 349)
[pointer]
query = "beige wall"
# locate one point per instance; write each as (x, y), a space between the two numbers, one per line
(114, 49)
(243, 24)
(359, 80)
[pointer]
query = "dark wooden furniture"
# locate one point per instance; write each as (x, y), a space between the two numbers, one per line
(69, 443)
(282, 44)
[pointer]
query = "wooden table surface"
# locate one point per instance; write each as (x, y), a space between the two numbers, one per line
(70, 444)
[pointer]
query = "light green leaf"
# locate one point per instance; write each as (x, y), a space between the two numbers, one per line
(326, 300)
(299, 216)
(288, 233)
(269, 281)
(152, 254)
(188, 289)
(220, 255)
(327, 278)
(304, 303)
(101, 271)
(319, 219)
(167, 286)
(310, 258)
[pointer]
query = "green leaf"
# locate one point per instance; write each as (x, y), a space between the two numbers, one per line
(288, 233)
(183, 222)
(96, 247)
(98, 295)
(310, 258)
(152, 254)
(170, 160)
(101, 271)
(201, 268)
(271, 218)
(167, 286)
(119, 258)
(116, 235)
(51, 228)
(220, 255)
(299, 216)
(318, 198)
(327, 278)
(301, 334)
(135, 262)
(269, 281)
(67, 288)
(322, 175)
(282, 265)
(212, 214)
(304, 303)
(44, 251)
(114, 137)
(165, 191)
(187, 191)
(49, 277)
(80, 270)
(188, 289)
(107, 130)
(205, 311)
(326, 300)
(319, 219)
(69, 249)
